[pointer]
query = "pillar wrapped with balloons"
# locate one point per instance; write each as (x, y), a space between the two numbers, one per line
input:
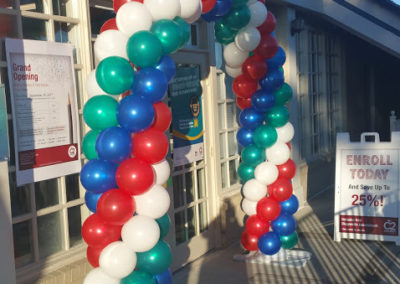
(254, 59)
(126, 147)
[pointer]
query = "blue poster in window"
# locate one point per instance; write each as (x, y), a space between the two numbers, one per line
(4, 150)
(187, 122)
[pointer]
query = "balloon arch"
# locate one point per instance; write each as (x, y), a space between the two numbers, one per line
(126, 147)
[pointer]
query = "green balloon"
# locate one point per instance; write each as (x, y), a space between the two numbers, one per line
(265, 136)
(144, 49)
(138, 277)
(288, 242)
(223, 33)
(238, 3)
(245, 172)
(89, 144)
(156, 260)
(185, 27)
(169, 33)
(283, 95)
(114, 75)
(277, 116)
(252, 155)
(164, 223)
(100, 112)
(238, 18)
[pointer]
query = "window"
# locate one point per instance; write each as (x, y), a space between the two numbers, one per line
(228, 127)
(47, 215)
(318, 64)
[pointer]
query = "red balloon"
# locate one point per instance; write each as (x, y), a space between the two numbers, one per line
(98, 233)
(110, 24)
(256, 226)
(268, 209)
(243, 103)
(93, 255)
(134, 176)
(280, 190)
(262, 1)
(249, 241)
(267, 48)
(268, 26)
(244, 86)
(6, 21)
(162, 118)
(115, 207)
(208, 5)
(150, 145)
(289, 145)
(287, 170)
(254, 68)
(118, 3)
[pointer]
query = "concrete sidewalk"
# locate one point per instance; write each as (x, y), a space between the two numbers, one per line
(349, 261)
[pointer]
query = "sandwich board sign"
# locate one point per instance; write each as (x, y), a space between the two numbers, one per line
(367, 194)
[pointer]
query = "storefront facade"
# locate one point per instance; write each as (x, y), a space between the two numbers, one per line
(41, 222)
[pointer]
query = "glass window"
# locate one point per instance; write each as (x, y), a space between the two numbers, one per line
(46, 193)
(50, 234)
(74, 225)
(189, 187)
(20, 198)
(8, 25)
(23, 243)
(34, 29)
(177, 182)
(32, 5)
(98, 17)
(60, 7)
(72, 187)
(203, 215)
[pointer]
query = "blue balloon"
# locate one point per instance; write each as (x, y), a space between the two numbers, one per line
(269, 243)
(91, 200)
(164, 278)
(262, 100)
(290, 206)
(278, 60)
(284, 225)
(273, 80)
(245, 136)
(250, 118)
(150, 83)
(135, 113)
(211, 16)
(222, 7)
(167, 65)
(114, 144)
(98, 176)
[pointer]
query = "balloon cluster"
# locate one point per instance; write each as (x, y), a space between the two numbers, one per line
(254, 59)
(126, 146)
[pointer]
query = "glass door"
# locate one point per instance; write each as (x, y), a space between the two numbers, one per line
(192, 232)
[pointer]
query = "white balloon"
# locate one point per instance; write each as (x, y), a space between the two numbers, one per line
(162, 172)
(163, 9)
(190, 9)
(98, 276)
(248, 38)
(253, 190)
(93, 89)
(153, 203)
(234, 57)
(285, 133)
(258, 14)
(117, 260)
(195, 16)
(110, 43)
(249, 207)
(133, 17)
(140, 233)
(278, 153)
(233, 72)
(266, 173)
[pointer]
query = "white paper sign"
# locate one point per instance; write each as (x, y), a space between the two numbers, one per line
(367, 188)
(44, 109)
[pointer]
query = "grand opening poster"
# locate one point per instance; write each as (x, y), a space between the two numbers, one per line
(44, 109)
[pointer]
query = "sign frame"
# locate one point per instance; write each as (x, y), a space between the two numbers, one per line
(373, 169)
(44, 109)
